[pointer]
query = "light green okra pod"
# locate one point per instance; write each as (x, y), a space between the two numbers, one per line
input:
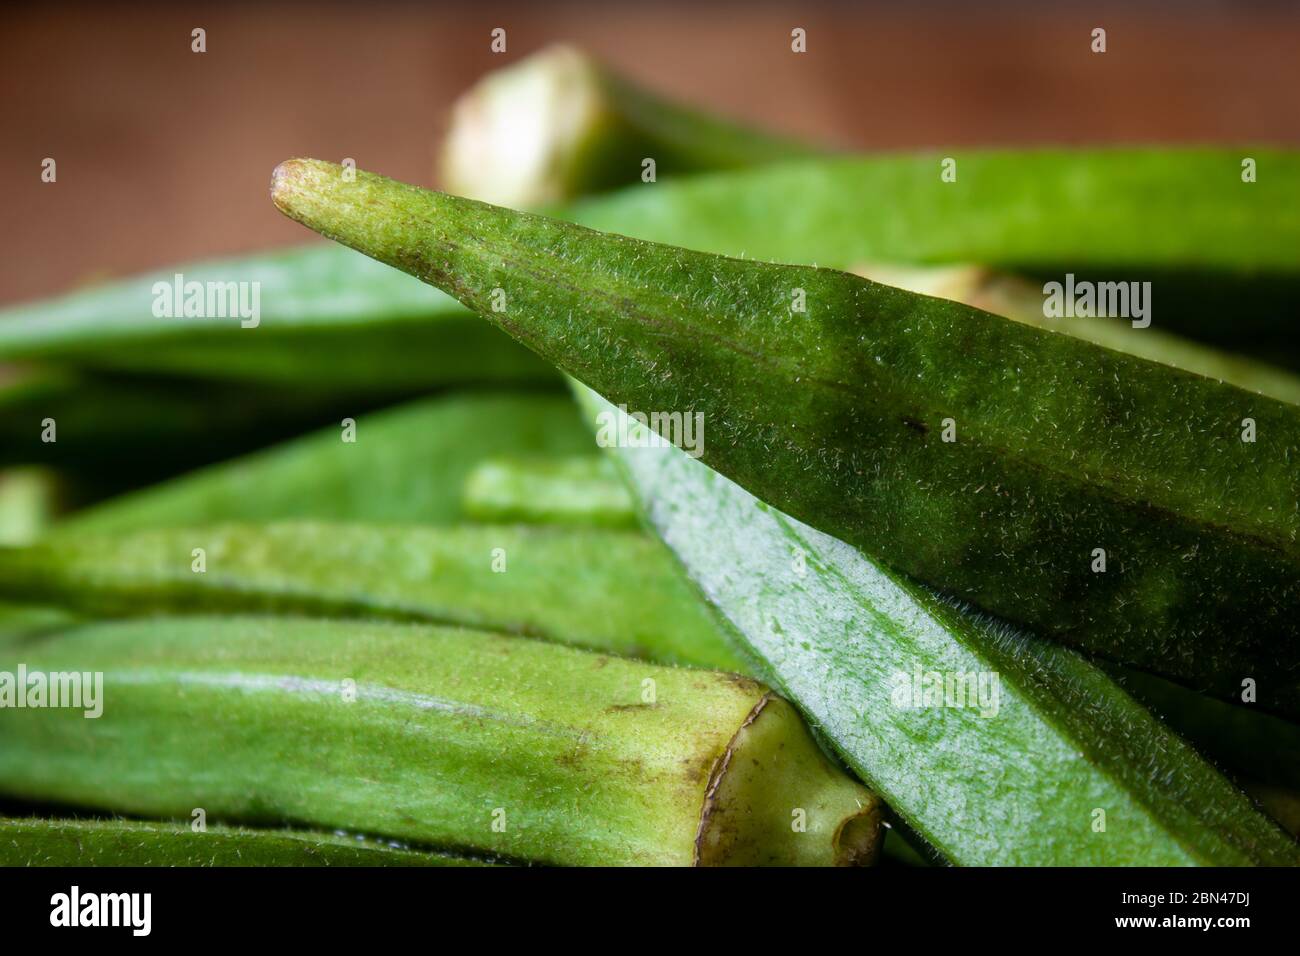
(454, 739)
(406, 464)
(613, 591)
(606, 126)
(357, 327)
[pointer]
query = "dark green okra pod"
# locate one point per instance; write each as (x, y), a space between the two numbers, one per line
(1138, 511)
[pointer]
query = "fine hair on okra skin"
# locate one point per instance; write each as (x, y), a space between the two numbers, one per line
(1107, 501)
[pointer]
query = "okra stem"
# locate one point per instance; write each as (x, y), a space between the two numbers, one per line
(29, 500)
(560, 124)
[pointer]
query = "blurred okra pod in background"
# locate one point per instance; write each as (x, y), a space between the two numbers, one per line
(560, 124)
(608, 590)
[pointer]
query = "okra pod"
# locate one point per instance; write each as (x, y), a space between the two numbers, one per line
(360, 328)
(405, 464)
(1141, 512)
(40, 842)
(1252, 745)
(578, 490)
(110, 432)
(992, 207)
(1221, 254)
(612, 591)
(1212, 245)
(452, 739)
(1016, 298)
(1281, 804)
(20, 620)
(997, 748)
(560, 124)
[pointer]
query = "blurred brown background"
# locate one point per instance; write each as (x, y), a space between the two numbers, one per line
(164, 155)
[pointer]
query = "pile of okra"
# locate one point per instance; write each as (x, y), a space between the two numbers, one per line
(669, 492)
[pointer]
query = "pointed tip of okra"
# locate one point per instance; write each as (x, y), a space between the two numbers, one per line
(293, 178)
(339, 202)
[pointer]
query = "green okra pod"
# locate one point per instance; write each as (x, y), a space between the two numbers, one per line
(42, 842)
(20, 620)
(452, 739)
(1222, 255)
(498, 152)
(578, 490)
(997, 748)
(1252, 745)
(1213, 247)
(1138, 511)
(1154, 215)
(608, 590)
(1281, 804)
(110, 432)
(405, 464)
(359, 328)
(1016, 298)
(561, 124)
